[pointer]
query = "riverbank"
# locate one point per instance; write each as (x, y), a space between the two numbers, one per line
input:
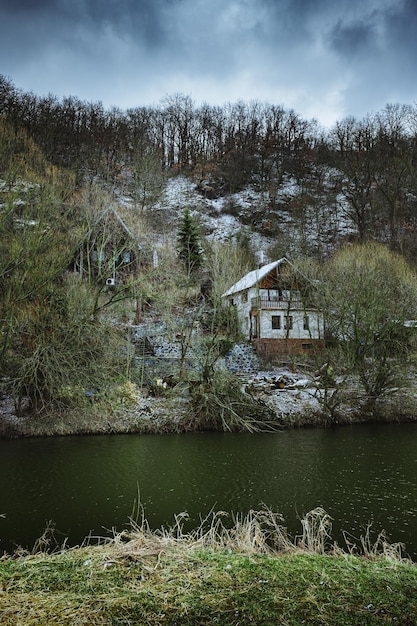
(248, 574)
(290, 400)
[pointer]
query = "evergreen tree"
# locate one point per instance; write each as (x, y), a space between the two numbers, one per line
(189, 248)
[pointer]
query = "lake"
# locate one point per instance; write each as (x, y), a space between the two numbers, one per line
(89, 485)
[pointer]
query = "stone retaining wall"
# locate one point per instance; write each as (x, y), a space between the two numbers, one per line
(242, 359)
(165, 360)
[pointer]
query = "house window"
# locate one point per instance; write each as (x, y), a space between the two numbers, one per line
(276, 322)
(306, 323)
(288, 322)
(244, 296)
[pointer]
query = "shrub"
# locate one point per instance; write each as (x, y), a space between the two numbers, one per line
(221, 404)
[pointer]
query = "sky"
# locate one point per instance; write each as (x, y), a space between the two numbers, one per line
(325, 59)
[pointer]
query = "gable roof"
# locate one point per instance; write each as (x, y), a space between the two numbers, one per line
(253, 277)
(110, 209)
(101, 217)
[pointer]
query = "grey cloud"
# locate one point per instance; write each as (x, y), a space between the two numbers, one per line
(309, 55)
(22, 6)
(129, 18)
(402, 28)
(352, 39)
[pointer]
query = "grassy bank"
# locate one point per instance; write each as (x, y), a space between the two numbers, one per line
(226, 408)
(250, 574)
(153, 415)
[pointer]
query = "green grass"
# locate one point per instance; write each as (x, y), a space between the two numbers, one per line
(227, 577)
(184, 586)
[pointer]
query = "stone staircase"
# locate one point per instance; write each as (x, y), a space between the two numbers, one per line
(143, 347)
(242, 360)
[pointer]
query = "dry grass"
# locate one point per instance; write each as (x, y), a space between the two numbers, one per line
(257, 532)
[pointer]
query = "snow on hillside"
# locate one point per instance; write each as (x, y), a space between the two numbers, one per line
(299, 222)
(216, 221)
(299, 226)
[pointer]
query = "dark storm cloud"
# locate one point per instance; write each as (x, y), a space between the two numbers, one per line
(352, 39)
(20, 6)
(403, 30)
(375, 30)
(322, 58)
(131, 18)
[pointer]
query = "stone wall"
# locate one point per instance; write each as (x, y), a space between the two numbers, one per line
(150, 330)
(164, 359)
(242, 359)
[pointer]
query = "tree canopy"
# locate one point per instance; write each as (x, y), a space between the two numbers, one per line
(369, 294)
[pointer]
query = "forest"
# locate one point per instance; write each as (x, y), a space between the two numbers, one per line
(64, 162)
(370, 162)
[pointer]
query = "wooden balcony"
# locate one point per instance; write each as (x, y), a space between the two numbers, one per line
(259, 303)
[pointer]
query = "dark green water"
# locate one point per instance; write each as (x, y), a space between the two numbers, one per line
(88, 485)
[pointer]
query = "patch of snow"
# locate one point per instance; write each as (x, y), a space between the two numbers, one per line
(217, 204)
(221, 228)
(249, 198)
(312, 228)
(179, 192)
(125, 201)
(290, 188)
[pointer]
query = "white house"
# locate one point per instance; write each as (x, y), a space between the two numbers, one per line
(275, 309)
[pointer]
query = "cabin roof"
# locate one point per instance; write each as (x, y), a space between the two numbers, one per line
(101, 217)
(252, 278)
(110, 209)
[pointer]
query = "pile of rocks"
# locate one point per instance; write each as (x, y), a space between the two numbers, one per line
(288, 395)
(269, 383)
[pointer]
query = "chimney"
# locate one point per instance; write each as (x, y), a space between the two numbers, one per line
(260, 258)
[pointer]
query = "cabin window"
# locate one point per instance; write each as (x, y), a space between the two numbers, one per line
(276, 322)
(306, 323)
(288, 322)
(244, 296)
(98, 256)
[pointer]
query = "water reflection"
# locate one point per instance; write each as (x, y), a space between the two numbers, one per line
(89, 484)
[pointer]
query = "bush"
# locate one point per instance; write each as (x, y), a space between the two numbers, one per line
(368, 294)
(221, 404)
(57, 347)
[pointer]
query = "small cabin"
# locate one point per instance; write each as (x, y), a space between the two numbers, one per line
(275, 309)
(109, 251)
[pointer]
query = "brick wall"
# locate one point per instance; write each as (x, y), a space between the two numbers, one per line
(275, 347)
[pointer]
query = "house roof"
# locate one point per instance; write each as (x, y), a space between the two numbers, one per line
(253, 277)
(110, 209)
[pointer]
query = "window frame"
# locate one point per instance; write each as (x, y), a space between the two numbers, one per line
(276, 322)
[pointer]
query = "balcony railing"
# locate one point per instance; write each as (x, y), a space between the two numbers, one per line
(283, 305)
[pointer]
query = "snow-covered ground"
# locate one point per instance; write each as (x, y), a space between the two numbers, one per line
(302, 228)
(286, 393)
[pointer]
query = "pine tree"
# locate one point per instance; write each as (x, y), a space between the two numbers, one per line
(189, 248)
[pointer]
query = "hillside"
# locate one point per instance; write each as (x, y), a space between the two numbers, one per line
(303, 187)
(91, 205)
(276, 232)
